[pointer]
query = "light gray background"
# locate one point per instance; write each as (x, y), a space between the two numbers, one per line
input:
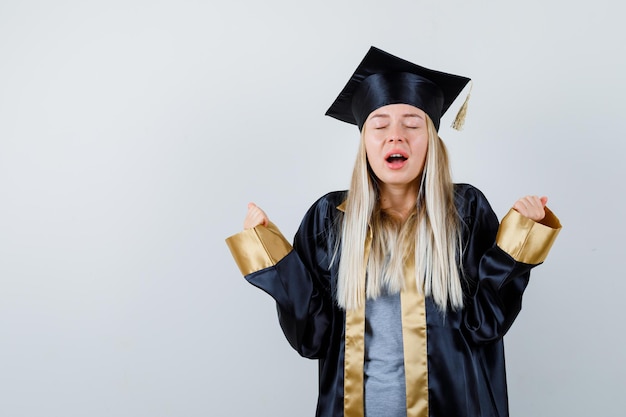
(133, 133)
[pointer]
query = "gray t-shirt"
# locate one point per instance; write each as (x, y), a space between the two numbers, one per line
(385, 392)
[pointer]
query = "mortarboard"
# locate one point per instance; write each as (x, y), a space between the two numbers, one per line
(382, 79)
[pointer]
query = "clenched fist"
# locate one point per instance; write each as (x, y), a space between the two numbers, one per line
(255, 217)
(532, 207)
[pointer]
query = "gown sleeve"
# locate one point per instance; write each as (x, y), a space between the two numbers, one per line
(297, 278)
(497, 261)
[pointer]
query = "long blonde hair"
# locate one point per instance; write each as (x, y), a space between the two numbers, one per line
(431, 234)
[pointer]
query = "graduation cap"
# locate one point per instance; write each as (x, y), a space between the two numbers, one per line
(382, 79)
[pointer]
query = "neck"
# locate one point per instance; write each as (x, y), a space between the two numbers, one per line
(398, 200)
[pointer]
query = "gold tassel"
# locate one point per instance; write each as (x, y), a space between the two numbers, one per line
(459, 120)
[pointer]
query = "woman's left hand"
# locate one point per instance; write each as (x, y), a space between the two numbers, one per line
(532, 207)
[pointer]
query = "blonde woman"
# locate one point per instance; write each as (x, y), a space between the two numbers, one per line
(404, 285)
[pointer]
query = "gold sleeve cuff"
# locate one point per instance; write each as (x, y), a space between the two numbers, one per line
(258, 248)
(526, 240)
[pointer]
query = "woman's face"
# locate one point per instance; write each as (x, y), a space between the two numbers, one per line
(396, 141)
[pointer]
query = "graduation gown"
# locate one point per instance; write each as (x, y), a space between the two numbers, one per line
(460, 368)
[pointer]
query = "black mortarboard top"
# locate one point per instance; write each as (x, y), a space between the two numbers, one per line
(382, 79)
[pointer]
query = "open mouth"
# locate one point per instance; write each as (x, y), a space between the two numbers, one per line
(396, 157)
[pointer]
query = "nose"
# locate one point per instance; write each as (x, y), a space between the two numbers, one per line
(395, 134)
(395, 139)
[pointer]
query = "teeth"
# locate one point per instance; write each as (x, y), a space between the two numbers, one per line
(395, 155)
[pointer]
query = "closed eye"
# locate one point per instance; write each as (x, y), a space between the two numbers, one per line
(413, 121)
(379, 121)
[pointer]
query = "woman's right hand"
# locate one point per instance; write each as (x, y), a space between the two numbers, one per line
(255, 217)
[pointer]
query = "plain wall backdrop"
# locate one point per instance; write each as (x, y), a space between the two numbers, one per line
(133, 134)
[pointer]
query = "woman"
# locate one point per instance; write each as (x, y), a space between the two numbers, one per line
(403, 286)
